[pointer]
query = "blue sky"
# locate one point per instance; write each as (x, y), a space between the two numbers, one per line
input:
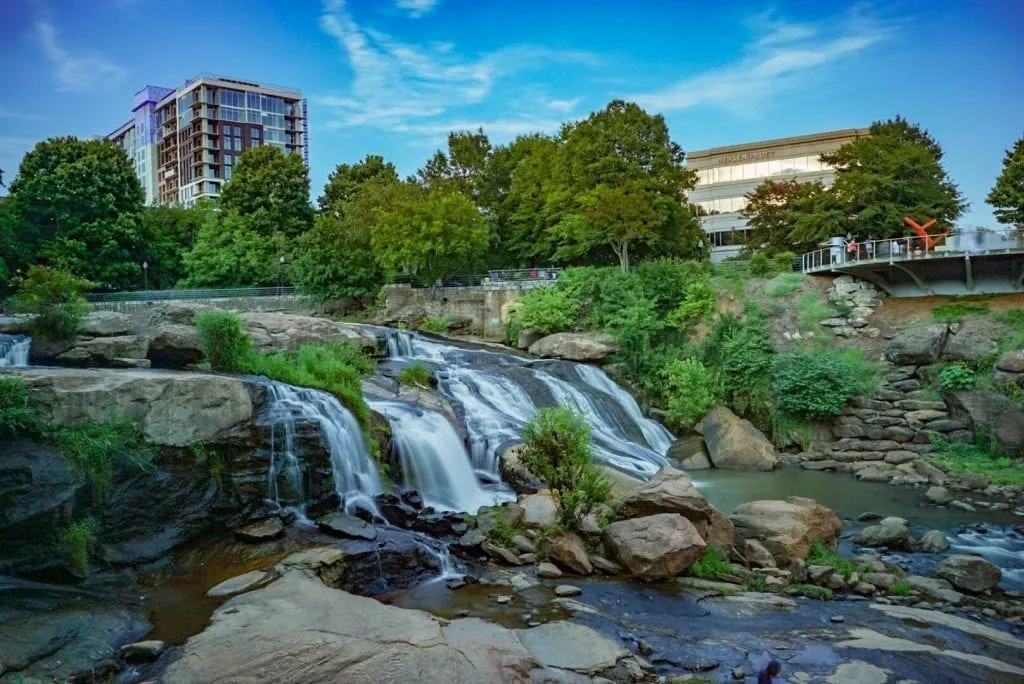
(394, 76)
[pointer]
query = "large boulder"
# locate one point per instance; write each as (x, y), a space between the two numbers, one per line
(568, 551)
(105, 324)
(174, 409)
(174, 345)
(272, 332)
(972, 341)
(690, 453)
(654, 547)
(992, 414)
(540, 510)
(574, 346)
(969, 573)
(734, 443)
(297, 629)
(514, 472)
(918, 345)
(891, 533)
(672, 491)
(786, 528)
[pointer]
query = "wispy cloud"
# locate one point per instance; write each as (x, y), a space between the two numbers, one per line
(782, 55)
(6, 113)
(565, 106)
(77, 72)
(417, 8)
(402, 87)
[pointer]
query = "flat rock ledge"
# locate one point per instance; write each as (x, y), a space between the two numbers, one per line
(299, 629)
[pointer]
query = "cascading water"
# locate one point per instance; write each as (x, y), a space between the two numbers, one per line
(355, 474)
(14, 350)
(498, 393)
(434, 459)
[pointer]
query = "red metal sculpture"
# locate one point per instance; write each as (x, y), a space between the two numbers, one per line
(930, 241)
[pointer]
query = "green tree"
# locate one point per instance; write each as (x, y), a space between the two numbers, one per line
(229, 253)
(167, 234)
(270, 190)
(522, 222)
(620, 215)
(430, 234)
(464, 168)
(786, 216)
(336, 259)
(76, 205)
(1007, 195)
(54, 297)
(347, 179)
(894, 172)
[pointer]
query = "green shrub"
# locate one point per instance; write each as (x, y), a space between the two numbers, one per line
(94, 450)
(415, 375)
(782, 262)
(819, 554)
(811, 310)
(956, 376)
(54, 297)
(336, 368)
(437, 325)
(77, 541)
(502, 531)
(225, 346)
(547, 310)
(814, 382)
(689, 392)
(710, 564)
(812, 591)
(760, 266)
(1013, 318)
(955, 311)
(1010, 389)
(901, 588)
(786, 284)
(745, 362)
(754, 582)
(979, 457)
(16, 413)
(698, 303)
(667, 282)
(557, 450)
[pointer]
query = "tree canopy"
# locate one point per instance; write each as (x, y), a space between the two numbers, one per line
(787, 216)
(346, 179)
(270, 189)
(1007, 195)
(894, 172)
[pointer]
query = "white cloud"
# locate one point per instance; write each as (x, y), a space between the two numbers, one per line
(781, 56)
(417, 8)
(402, 87)
(565, 106)
(11, 114)
(496, 129)
(77, 73)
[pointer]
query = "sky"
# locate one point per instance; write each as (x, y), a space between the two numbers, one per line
(393, 77)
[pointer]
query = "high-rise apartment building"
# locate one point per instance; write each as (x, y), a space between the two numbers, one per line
(184, 142)
(726, 174)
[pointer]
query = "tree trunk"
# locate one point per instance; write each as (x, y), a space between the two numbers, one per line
(621, 250)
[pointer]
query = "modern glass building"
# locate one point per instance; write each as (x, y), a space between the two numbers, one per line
(726, 174)
(184, 142)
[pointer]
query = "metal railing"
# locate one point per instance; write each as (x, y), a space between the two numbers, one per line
(913, 248)
(208, 293)
(519, 275)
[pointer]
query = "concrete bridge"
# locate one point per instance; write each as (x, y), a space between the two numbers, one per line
(968, 262)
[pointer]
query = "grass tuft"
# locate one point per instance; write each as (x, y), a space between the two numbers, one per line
(710, 564)
(416, 375)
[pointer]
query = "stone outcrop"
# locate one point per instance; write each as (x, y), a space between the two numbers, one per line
(1010, 367)
(654, 547)
(971, 341)
(272, 332)
(574, 346)
(298, 629)
(540, 510)
(568, 551)
(918, 345)
(891, 533)
(786, 528)
(861, 299)
(734, 443)
(993, 414)
(173, 409)
(672, 491)
(514, 472)
(690, 452)
(969, 573)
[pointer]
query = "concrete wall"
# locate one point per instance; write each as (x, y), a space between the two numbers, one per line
(486, 305)
(289, 303)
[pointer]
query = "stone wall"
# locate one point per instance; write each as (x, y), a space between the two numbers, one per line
(487, 306)
(860, 298)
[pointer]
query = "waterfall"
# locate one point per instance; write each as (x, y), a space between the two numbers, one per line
(434, 459)
(354, 472)
(14, 350)
(498, 393)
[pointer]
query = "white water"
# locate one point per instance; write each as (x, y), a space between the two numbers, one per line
(354, 472)
(14, 350)
(434, 459)
(998, 545)
(497, 406)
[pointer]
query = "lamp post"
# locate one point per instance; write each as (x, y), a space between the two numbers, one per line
(145, 276)
(280, 275)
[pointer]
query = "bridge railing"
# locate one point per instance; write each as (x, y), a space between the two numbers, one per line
(912, 248)
(517, 275)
